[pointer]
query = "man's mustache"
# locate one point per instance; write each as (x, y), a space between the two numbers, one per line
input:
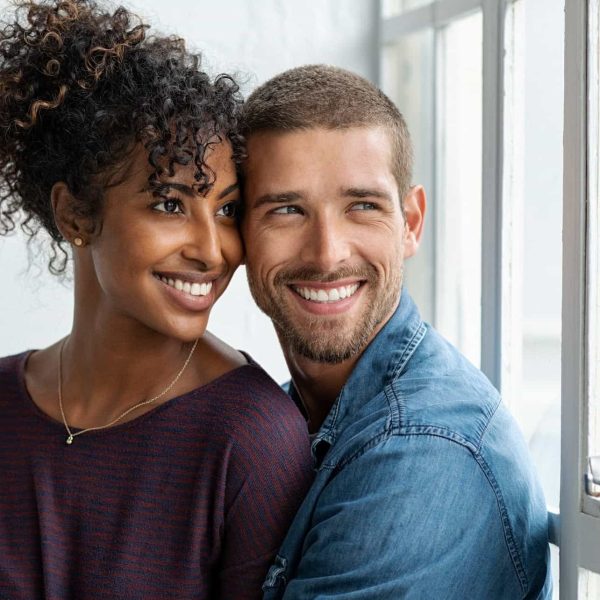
(363, 272)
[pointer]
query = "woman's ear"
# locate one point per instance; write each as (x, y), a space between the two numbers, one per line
(415, 204)
(71, 225)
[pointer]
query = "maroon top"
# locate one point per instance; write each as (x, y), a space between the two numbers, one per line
(189, 500)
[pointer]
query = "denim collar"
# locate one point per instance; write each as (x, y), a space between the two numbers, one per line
(381, 362)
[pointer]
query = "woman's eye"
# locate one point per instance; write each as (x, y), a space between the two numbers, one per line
(170, 206)
(229, 210)
(287, 210)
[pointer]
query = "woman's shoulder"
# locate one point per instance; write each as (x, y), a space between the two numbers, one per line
(248, 399)
(248, 387)
(223, 366)
(12, 366)
(268, 433)
(12, 378)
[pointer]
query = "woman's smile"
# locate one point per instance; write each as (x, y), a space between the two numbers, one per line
(187, 292)
(187, 242)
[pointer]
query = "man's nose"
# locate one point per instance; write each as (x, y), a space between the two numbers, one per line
(326, 245)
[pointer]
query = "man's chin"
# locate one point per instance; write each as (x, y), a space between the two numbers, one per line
(326, 356)
(321, 345)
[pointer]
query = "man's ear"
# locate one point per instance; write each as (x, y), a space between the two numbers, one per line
(415, 204)
(72, 226)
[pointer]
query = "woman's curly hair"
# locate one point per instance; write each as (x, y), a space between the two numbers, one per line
(79, 87)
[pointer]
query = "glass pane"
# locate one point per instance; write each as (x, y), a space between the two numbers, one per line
(533, 228)
(407, 78)
(391, 8)
(458, 217)
(589, 585)
(554, 565)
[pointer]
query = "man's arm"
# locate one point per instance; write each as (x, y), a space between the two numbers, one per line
(414, 517)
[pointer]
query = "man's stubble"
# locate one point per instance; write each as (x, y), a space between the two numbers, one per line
(330, 340)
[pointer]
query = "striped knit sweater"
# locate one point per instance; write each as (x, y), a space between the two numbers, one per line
(189, 500)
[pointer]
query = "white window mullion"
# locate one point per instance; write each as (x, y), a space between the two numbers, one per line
(573, 299)
(412, 21)
(588, 539)
(437, 14)
(492, 211)
(436, 220)
(447, 11)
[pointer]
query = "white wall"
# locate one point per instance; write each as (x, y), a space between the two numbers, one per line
(256, 40)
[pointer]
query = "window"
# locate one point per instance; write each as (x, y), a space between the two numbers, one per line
(458, 189)
(508, 150)
(532, 224)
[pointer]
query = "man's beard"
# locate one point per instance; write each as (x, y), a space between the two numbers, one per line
(327, 339)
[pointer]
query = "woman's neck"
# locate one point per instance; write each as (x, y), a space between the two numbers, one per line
(107, 370)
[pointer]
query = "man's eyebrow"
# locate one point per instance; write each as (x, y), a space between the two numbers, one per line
(354, 192)
(277, 198)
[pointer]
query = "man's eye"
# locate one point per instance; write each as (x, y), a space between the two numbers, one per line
(229, 210)
(364, 206)
(287, 210)
(170, 206)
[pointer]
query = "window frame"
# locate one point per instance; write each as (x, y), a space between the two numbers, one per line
(437, 15)
(576, 530)
(579, 522)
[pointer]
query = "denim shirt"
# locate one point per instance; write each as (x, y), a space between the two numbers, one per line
(424, 487)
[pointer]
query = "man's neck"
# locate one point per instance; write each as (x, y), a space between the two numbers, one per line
(318, 384)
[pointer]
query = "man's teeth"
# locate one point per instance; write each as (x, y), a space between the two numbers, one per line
(194, 289)
(331, 295)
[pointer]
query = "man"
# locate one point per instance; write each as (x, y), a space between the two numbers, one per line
(424, 487)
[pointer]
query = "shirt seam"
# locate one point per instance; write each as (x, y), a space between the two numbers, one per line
(487, 425)
(506, 526)
(409, 350)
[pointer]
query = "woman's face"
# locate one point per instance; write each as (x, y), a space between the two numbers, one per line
(163, 261)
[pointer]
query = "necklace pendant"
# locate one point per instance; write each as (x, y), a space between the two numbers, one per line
(70, 440)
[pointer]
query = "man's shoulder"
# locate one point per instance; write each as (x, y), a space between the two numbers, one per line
(439, 391)
(436, 392)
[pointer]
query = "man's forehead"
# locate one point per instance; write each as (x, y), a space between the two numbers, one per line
(301, 136)
(353, 153)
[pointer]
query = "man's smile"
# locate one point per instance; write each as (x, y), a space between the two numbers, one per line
(324, 299)
(325, 293)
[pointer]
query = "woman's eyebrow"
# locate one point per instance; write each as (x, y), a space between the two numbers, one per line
(187, 190)
(228, 190)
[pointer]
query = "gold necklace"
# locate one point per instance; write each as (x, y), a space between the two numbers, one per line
(71, 436)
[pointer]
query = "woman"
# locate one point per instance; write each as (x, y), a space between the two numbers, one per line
(141, 457)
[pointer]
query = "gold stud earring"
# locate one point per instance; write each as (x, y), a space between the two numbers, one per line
(78, 242)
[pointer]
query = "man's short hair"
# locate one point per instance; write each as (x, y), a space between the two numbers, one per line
(332, 98)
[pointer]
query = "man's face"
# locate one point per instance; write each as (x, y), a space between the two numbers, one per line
(325, 236)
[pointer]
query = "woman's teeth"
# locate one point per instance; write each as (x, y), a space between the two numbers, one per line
(330, 295)
(194, 289)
